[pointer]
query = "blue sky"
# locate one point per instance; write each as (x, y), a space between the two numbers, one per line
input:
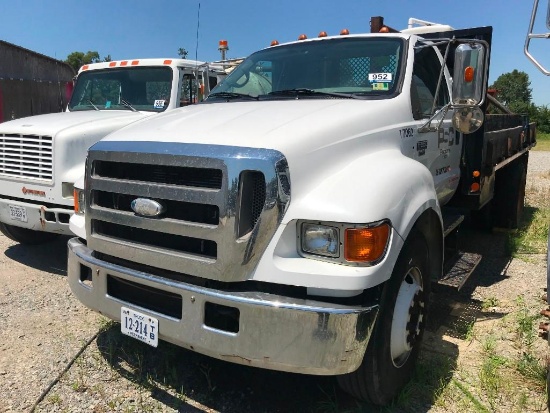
(138, 29)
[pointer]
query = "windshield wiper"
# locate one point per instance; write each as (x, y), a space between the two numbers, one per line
(308, 92)
(92, 103)
(231, 95)
(128, 105)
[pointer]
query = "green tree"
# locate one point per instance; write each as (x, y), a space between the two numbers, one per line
(182, 53)
(78, 59)
(513, 89)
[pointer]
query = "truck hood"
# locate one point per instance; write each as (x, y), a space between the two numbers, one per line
(289, 126)
(53, 123)
(319, 138)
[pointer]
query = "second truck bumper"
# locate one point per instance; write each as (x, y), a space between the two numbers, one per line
(251, 328)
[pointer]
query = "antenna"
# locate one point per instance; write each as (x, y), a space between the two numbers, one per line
(198, 25)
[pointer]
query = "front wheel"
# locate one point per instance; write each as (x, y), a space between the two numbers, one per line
(394, 345)
(26, 236)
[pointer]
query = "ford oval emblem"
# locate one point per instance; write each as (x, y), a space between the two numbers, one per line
(147, 207)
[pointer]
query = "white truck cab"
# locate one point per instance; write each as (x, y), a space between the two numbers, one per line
(41, 156)
(296, 218)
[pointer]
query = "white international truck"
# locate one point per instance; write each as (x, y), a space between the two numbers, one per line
(42, 156)
(297, 218)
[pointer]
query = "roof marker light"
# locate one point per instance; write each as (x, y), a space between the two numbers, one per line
(302, 37)
(344, 32)
(124, 63)
(135, 62)
(112, 64)
(168, 62)
(323, 34)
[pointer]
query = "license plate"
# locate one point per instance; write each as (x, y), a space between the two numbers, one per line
(139, 326)
(18, 213)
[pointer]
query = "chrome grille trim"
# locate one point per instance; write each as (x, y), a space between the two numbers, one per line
(26, 156)
(236, 251)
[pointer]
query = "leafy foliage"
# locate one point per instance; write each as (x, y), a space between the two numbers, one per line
(182, 53)
(513, 88)
(514, 91)
(78, 59)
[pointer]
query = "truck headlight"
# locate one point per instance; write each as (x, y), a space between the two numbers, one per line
(320, 240)
(344, 243)
(79, 201)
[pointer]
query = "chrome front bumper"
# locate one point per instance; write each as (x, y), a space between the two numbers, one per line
(271, 331)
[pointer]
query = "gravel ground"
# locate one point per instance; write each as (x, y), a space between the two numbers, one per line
(45, 328)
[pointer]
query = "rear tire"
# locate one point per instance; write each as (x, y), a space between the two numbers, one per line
(394, 345)
(26, 236)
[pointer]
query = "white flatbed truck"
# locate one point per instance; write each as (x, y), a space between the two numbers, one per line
(297, 218)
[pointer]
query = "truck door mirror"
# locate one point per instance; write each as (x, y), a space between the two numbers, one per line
(469, 86)
(548, 16)
(469, 74)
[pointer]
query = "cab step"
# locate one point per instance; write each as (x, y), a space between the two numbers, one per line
(461, 267)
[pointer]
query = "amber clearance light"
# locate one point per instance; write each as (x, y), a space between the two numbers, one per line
(366, 244)
(469, 74)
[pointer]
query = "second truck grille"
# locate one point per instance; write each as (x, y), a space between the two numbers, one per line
(26, 156)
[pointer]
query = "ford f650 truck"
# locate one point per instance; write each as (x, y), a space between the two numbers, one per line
(42, 156)
(297, 218)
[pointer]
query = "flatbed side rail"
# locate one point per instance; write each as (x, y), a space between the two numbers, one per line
(504, 145)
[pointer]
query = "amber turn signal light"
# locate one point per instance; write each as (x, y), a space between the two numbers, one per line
(366, 244)
(75, 201)
(468, 74)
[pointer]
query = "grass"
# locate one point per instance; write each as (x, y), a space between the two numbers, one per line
(508, 373)
(543, 142)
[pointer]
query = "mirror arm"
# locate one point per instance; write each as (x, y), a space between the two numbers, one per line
(441, 74)
(427, 127)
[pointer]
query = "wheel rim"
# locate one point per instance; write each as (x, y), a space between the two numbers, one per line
(408, 316)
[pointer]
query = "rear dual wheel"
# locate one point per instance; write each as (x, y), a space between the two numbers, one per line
(394, 345)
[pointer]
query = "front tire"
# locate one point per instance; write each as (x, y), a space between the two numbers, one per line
(394, 345)
(26, 236)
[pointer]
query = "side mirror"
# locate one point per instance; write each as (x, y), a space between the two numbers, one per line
(469, 74)
(469, 86)
(548, 16)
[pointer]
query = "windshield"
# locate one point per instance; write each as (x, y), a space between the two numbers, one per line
(129, 88)
(343, 67)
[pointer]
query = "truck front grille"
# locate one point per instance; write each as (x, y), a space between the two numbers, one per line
(26, 156)
(220, 205)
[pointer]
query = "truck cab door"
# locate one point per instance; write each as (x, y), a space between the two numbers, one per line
(439, 150)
